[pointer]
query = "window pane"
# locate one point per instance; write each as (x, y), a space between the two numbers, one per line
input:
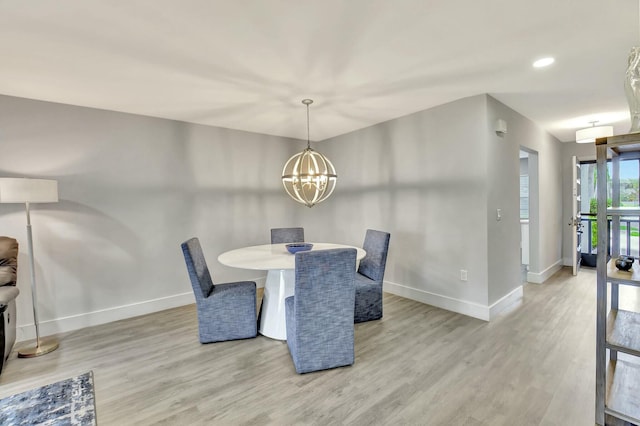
(588, 200)
(524, 197)
(629, 183)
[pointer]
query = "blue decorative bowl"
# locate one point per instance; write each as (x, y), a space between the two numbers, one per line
(296, 247)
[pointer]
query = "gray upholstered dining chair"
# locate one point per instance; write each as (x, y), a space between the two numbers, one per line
(225, 311)
(320, 313)
(287, 235)
(368, 305)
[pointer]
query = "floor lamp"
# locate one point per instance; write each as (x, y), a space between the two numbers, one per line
(27, 191)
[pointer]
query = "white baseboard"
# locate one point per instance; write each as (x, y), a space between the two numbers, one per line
(475, 310)
(103, 316)
(504, 302)
(540, 277)
(464, 307)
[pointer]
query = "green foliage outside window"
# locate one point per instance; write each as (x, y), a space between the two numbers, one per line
(593, 209)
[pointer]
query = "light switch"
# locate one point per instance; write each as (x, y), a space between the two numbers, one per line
(498, 214)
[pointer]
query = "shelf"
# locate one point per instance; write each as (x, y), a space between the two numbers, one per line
(631, 277)
(623, 332)
(624, 211)
(617, 331)
(623, 391)
(621, 143)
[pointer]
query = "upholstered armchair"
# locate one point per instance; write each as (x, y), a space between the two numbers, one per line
(8, 294)
(368, 305)
(320, 313)
(287, 235)
(225, 311)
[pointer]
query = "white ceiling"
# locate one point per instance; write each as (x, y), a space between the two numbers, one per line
(247, 64)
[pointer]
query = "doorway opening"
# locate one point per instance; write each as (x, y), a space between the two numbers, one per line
(628, 194)
(528, 211)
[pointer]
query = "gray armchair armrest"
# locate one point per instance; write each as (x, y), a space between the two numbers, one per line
(7, 294)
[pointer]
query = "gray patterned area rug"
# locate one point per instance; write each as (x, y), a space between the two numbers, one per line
(68, 402)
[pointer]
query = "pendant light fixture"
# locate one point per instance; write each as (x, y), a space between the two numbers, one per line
(590, 134)
(309, 177)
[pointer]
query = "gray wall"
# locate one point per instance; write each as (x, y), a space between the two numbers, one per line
(131, 189)
(503, 177)
(434, 179)
(421, 177)
(545, 212)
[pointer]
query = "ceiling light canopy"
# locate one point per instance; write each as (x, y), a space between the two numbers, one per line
(309, 177)
(543, 62)
(590, 134)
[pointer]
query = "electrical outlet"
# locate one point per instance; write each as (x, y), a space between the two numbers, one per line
(463, 274)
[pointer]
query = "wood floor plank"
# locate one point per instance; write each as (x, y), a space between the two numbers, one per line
(419, 365)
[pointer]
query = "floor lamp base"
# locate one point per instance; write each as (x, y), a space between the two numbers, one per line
(44, 348)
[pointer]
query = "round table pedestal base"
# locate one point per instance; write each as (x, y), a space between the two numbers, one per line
(280, 285)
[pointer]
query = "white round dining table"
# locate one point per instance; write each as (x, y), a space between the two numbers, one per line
(280, 283)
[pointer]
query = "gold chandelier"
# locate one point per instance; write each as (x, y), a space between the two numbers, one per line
(309, 177)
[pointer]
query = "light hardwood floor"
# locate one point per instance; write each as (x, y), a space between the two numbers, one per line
(419, 365)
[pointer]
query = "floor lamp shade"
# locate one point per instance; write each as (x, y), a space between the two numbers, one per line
(27, 191)
(23, 190)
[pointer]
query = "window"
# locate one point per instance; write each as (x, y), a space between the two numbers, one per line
(629, 197)
(524, 197)
(629, 184)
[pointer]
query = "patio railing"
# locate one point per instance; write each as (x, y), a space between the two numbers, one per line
(629, 235)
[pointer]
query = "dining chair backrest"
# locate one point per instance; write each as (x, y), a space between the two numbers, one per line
(287, 235)
(325, 281)
(197, 267)
(376, 244)
(320, 314)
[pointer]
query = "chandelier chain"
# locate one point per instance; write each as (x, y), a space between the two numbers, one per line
(308, 140)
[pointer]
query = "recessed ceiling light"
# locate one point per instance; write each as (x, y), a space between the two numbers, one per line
(544, 62)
